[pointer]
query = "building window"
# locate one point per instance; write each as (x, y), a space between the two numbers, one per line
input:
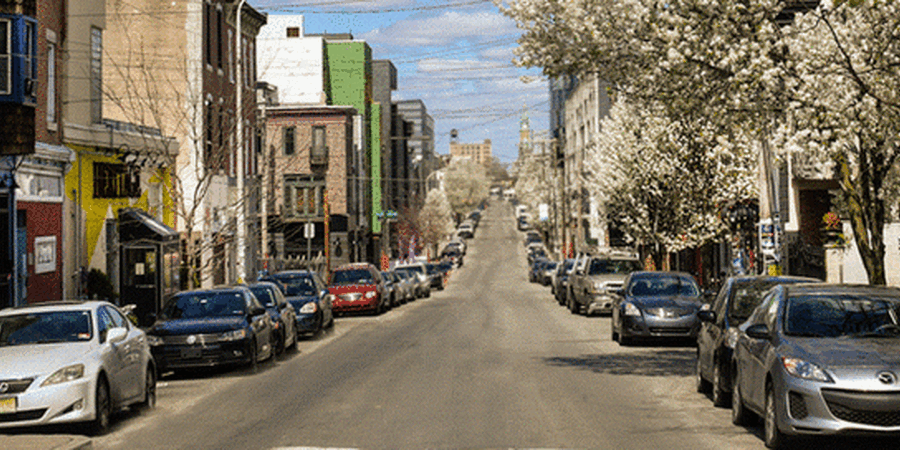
(318, 154)
(289, 140)
(293, 32)
(51, 83)
(231, 68)
(116, 181)
(96, 75)
(220, 37)
(304, 196)
(5, 57)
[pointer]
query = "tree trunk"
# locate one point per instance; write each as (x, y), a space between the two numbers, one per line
(866, 214)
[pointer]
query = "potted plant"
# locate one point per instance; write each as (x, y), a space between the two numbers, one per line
(831, 230)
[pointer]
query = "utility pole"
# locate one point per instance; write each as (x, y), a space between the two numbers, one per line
(241, 219)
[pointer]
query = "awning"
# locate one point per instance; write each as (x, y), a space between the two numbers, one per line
(137, 225)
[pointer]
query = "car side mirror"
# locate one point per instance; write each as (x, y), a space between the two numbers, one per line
(758, 331)
(114, 335)
(257, 310)
(707, 316)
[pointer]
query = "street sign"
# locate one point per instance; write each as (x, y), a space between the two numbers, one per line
(309, 231)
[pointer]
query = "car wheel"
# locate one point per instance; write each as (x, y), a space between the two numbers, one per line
(573, 306)
(149, 401)
(254, 356)
(280, 340)
(773, 436)
(613, 335)
(720, 397)
(295, 341)
(739, 413)
(102, 408)
(702, 384)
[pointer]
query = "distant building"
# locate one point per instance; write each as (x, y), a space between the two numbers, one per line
(481, 153)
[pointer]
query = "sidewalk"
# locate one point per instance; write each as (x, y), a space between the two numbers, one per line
(44, 442)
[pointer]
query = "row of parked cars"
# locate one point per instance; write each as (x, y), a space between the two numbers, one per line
(807, 358)
(79, 361)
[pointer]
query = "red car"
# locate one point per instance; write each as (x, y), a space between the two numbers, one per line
(357, 287)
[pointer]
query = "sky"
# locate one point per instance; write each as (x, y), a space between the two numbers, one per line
(455, 55)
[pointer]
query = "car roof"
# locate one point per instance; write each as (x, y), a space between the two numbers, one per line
(839, 289)
(62, 305)
(354, 266)
(298, 272)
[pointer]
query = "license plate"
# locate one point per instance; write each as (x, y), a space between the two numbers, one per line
(191, 352)
(7, 405)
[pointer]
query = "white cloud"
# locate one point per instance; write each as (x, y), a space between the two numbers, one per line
(449, 27)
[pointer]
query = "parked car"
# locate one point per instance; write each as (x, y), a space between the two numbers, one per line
(465, 230)
(532, 237)
(419, 272)
(816, 359)
(523, 223)
(409, 282)
(536, 252)
(64, 362)
(283, 314)
(591, 288)
(454, 256)
(306, 292)
(358, 287)
(392, 288)
(456, 244)
(718, 329)
(536, 269)
(436, 275)
(547, 271)
(211, 327)
(559, 286)
(661, 305)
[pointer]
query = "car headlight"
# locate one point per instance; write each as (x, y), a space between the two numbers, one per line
(371, 294)
(309, 308)
(154, 341)
(805, 370)
(235, 335)
(69, 373)
(731, 337)
(631, 310)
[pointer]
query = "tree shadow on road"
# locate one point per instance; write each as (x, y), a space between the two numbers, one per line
(658, 363)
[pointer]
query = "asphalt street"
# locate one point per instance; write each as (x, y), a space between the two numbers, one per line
(490, 362)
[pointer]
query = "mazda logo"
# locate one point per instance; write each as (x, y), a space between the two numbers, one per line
(4, 388)
(887, 377)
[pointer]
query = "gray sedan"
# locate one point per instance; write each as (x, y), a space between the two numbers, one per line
(818, 359)
(656, 305)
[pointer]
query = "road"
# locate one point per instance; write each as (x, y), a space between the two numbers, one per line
(490, 362)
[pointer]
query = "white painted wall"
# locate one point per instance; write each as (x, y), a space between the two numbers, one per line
(294, 65)
(853, 269)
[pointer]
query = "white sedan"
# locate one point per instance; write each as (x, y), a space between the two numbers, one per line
(66, 362)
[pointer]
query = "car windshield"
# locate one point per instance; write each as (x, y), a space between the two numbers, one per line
(296, 286)
(605, 266)
(264, 295)
(205, 304)
(745, 297)
(410, 269)
(352, 276)
(45, 328)
(836, 315)
(664, 286)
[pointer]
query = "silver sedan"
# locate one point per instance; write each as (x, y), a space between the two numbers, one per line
(817, 359)
(71, 362)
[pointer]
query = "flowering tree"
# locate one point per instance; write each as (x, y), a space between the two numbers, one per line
(435, 219)
(535, 183)
(829, 84)
(466, 184)
(644, 169)
(842, 75)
